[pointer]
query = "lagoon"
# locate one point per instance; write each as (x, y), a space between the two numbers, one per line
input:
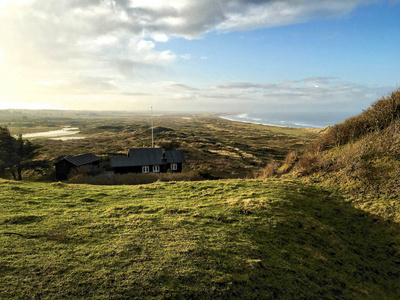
(61, 134)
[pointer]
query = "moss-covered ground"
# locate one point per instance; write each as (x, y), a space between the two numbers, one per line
(225, 239)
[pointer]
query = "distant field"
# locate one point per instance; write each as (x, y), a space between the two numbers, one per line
(226, 239)
(214, 147)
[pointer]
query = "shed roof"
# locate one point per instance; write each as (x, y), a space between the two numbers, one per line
(81, 160)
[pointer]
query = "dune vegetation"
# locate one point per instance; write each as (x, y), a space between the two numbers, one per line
(360, 157)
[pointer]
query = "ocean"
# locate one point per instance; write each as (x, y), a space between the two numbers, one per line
(289, 119)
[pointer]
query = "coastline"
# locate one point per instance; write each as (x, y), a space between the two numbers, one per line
(244, 118)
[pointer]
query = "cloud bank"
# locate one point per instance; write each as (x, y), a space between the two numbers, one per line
(319, 94)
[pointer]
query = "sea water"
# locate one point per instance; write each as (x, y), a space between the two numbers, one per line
(289, 119)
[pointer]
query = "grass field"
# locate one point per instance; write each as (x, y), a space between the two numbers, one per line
(226, 239)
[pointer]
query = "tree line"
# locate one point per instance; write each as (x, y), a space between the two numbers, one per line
(18, 154)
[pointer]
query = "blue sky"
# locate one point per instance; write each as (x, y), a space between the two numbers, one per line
(198, 56)
(355, 47)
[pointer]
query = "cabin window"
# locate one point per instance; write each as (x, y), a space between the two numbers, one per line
(156, 169)
(174, 167)
(145, 169)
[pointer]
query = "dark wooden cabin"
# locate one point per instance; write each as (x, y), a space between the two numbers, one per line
(146, 160)
(66, 164)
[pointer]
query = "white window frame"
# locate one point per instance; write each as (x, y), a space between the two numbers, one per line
(174, 167)
(145, 169)
(156, 169)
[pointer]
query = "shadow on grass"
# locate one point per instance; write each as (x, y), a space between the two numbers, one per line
(309, 244)
(319, 246)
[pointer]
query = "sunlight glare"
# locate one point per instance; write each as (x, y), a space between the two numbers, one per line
(25, 105)
(5, 3)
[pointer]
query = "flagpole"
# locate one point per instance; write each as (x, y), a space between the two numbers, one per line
(152, 129)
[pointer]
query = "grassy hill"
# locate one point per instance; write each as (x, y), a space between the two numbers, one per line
(360, 157)
(226, 239)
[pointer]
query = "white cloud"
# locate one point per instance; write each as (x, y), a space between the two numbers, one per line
(191, 19)
(51, 83)
(188, 56)
(106, 40)
(332, 95)
(263, 14)
(144, 46)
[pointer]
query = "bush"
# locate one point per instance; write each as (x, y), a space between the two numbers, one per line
(269, 171)
(287, 165)
(307, 164)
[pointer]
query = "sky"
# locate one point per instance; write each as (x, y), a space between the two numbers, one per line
(221, 56)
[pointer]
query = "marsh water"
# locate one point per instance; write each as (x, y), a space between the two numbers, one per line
(62, 134)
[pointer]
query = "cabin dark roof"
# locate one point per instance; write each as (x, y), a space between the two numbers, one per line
(139, 157)
(145, 154)
(147, 157)
(175, 156)
(80, 160)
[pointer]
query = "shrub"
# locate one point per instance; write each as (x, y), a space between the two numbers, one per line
(290, 159)
(274, 168)
(270, 170)
(308, 163)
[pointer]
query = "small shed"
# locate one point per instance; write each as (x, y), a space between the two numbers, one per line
(67, 163)
(146, 160)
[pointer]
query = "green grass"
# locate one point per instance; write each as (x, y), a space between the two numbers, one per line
(227, 239)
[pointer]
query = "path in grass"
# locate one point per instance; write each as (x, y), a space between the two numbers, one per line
(228, 239)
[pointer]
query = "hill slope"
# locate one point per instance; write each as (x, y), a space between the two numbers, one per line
(361, 157)
(228, 239)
